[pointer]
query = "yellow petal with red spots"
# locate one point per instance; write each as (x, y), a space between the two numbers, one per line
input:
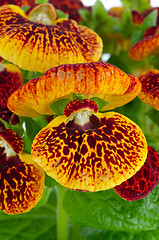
(11, 79)
(93, 159)
(37, 47)
(21, 185)
(150, 88)
(96, 79)
(18, 2)
(144, 48)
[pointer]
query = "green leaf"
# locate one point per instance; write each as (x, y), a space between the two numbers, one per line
(28, 75)
(94, 234)
(154, 60)
(100, 102)
(41, 1)
(59, 106)
(25, 8)
(99, 11)
(61, 14)
(153, 114)
(136, 37)
(127, 26)
(105, 210)
(150, 20)
(38, 224)
(31, 126)
(78, 96)
(50, 182)
(45, 197)
(140, 5)
(85, 14)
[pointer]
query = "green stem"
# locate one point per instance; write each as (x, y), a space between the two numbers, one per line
(62, 231)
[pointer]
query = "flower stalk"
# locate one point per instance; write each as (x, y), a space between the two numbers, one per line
(62, 228)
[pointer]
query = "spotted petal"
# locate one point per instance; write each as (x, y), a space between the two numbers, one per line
(21, 186)
(150, 88)
(10, 139)
(11, 79)
(21, 179)
(96, 79)
(38, 47)
(143, 182)
(94, 159)
(144, 48)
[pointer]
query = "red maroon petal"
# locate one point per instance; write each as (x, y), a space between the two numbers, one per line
(143, 182)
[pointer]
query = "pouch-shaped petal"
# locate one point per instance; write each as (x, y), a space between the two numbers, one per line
(93, 159)
(18, 2)
(21, 179)
(144, 48)
(21, 185)
(143, 182)
(11, 79)
(38, 47)
(96, 79)
(150, 88)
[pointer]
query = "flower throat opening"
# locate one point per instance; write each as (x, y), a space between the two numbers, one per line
(81, 115)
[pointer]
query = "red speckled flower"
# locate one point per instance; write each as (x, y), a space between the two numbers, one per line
(150, 88)
(143, 182)
(11, 79)
(21, 179)
(90, 151)
(38, 43)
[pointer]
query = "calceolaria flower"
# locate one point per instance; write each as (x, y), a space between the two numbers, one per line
(21, 179)
(90, 151)
(11, 79)
(150, 88)
(37, 43)
(143, 182)
(84, 149)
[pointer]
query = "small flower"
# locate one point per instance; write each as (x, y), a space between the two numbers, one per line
(36, 46)
(21, 179)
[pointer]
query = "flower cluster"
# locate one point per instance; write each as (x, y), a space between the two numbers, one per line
(88, 147)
